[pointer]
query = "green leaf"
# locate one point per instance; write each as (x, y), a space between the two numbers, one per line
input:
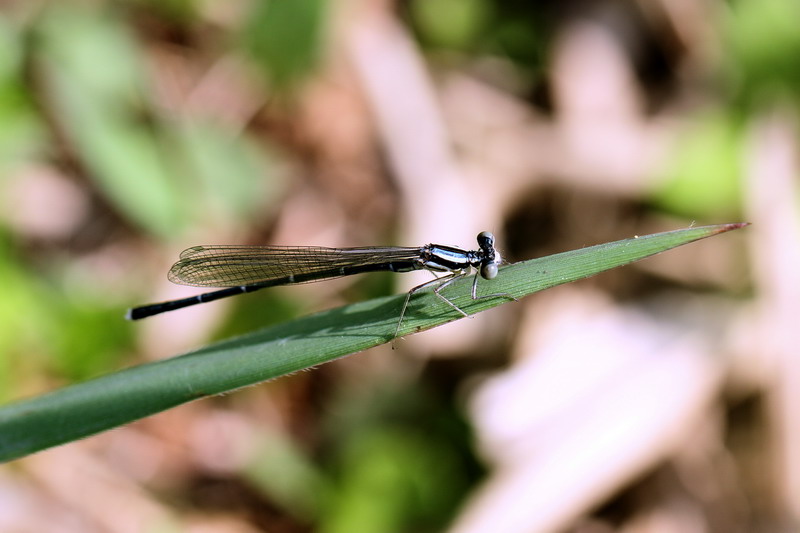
(106, 402)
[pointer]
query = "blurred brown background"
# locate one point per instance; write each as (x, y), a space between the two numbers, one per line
(660, 397)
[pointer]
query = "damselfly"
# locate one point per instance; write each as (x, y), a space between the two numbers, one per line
(244, 269)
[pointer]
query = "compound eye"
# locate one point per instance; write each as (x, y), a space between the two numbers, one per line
(489, 271)
(485, 239)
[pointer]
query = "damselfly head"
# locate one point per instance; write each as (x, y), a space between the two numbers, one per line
(486, 241)
(489, 270)
(491, 258)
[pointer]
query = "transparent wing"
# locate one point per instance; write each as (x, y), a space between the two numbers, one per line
(230, 266)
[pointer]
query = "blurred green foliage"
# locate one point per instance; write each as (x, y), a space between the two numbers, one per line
(286, 39)
(401, 459)
(515, 31)
(286, 475)
(22, 134)
(177, 11)
(166, 175)
(21, 316)
(100, 111)
(455, 24)
(394, 457)
(75, 336)
(704, 177)
(764, 45)
(762, 72)
(76, 93)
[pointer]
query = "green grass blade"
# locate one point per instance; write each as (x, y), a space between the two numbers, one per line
(109, 401)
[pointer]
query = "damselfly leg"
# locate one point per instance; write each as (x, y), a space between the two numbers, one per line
(441, 283)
